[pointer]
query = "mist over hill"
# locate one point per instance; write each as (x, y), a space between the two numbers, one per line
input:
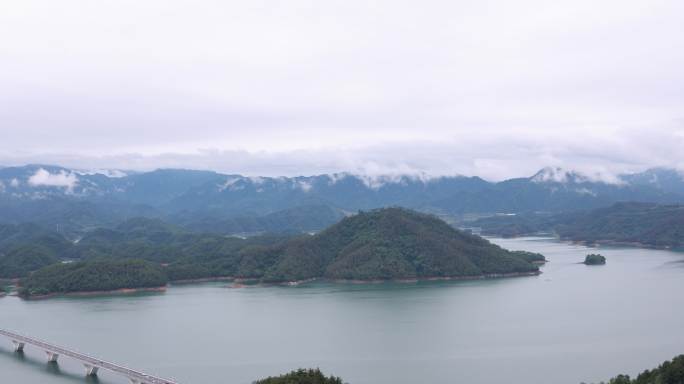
(74, 201)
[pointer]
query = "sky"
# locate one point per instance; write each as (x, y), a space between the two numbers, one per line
(493, 88)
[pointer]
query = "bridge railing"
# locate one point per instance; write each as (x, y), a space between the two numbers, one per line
(133, 375)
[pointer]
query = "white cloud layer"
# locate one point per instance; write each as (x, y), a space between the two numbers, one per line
(495, 88)
(44, 178)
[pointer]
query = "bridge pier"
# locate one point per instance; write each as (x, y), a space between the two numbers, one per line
(18, 346)
(52, 357)
(92, 365)
(90, 370)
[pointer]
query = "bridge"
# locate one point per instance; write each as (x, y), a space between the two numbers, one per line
(91, 364)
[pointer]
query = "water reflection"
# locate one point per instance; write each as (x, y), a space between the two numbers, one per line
(570, 324)
(43, 368)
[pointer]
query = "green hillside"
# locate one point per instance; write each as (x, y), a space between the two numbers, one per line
(301, 376)
(384, 244)
(648, 224)
(93, 276)
(638, 223)
(669, 372)
(390, 243)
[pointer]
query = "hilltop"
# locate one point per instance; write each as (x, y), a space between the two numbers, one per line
(383, 244)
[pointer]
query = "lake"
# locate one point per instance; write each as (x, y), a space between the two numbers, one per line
(572, 323)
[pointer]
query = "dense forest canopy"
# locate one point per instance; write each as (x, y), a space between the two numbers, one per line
(301, 376)
(93, 276)
(669, 372)
(140, 238)
(307, 218)
(390, 243)
(383, 244)
(531, 257)
(20, 261)
(28, 247)
(594, 259)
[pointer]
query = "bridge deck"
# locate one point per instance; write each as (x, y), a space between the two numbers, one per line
(95, 362)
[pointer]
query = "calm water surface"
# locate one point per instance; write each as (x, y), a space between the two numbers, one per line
(573, 323)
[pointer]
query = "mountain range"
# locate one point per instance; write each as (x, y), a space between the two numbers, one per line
(74, 200)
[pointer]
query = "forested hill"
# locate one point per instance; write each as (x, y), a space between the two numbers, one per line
(306, 218)
(669, 372)
(27, 248)
(390, 243)
(94, 276)
(648, 224)
(638, 223)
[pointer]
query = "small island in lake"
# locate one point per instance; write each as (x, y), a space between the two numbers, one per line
(594, 259)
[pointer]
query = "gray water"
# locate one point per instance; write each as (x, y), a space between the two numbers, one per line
(571, 324)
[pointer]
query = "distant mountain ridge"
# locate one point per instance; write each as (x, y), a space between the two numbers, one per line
(76, 200)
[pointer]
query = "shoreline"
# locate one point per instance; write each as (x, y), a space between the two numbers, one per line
(6, 287)
(240, 283)
(247, 282)
(202, 280)
(120, 291)
(592, 243)
(615, 243)
(437, 278)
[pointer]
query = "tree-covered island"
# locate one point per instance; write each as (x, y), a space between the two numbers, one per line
(594, 259)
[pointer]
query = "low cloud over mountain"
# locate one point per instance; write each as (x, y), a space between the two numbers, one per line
(79, 199)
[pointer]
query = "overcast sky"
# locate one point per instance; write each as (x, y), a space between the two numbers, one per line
(494, 88)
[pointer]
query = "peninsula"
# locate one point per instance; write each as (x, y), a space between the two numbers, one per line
(390, 244)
